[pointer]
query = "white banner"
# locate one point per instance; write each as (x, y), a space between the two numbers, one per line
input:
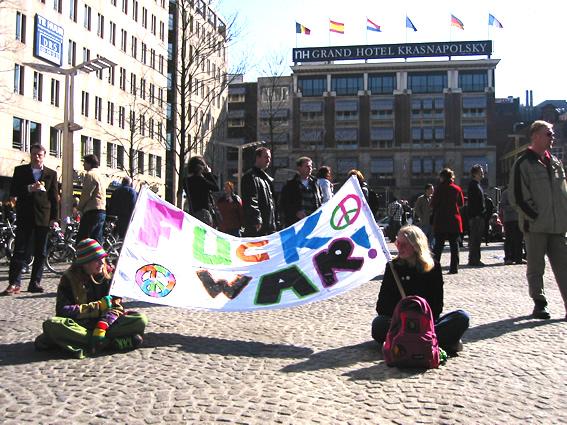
(173, 259)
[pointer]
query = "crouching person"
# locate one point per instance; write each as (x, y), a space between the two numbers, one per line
(87, 318)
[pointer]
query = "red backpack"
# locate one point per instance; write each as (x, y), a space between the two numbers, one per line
(411, 340)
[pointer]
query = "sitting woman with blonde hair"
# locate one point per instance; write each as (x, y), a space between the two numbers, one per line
(419, 275)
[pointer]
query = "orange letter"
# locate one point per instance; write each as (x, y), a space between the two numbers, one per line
(255, 258)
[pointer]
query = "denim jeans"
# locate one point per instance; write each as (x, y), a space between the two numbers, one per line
(449, 328)
(92, 226)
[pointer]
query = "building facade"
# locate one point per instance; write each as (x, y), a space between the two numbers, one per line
(119, 112)
(399, 123)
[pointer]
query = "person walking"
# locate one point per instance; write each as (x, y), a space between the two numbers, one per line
(231, 211)
(92, 203)
(422, 212)
(447, 222)
(122, 204)
(33, 189)
(513, 237)
(301, 195)
(258, 201)
(538, 191)
(476, 214)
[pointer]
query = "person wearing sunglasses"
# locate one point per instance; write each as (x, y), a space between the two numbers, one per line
(539, 194)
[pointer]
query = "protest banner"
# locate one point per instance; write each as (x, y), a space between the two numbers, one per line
(171, 258)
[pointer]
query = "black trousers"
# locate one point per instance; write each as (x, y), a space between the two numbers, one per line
(453, 239)
(29, 239)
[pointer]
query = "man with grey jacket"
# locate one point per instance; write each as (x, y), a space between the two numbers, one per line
(539, 194)
(93, 201)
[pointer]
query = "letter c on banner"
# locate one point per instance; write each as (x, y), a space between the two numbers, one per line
(255, 258)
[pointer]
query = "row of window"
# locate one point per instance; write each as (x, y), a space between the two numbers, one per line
(26, 133)
(418, 82)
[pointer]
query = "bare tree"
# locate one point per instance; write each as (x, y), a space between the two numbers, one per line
(199, 81)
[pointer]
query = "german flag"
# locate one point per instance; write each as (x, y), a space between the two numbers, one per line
(456, 22)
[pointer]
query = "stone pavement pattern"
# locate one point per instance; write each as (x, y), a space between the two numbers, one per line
(311, 364)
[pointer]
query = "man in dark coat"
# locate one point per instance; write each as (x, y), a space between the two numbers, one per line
(476, 210)
(34, 189)
(122, 205)
(258, 201)
(301, 195)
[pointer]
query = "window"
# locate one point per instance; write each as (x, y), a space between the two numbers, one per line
(382, 84)
(143, 88)
(19, 71)
(72, 53)
(162, 31)
(86, 54)
(132, 122)
(427, 166)
(121, 116)
(381, 137)
(142, 128)
(344, 165)
(160, 64)
(111, 75)
(311, 137)
(151, 128)
(346, 110)
(382, 168)
(100, 26)
(140, 162)
(55, 138)
(73, 7)
(135, 10)
(25, 133)
(123, 40)
(427, 136)
(153, 58)
(474, 106)
(427, 82)
(84, 103)
(58, 5)
(474, 135)
(144, 53)
(160, 97)
(133, 85)
(55, 86)
(314, 86)
(158, 166)
(151, 165)
(87, 17)
(274, 94)
(120, 157)
(152, 93)
(125, 6)
(347, 85)
(98, 108)
(20, 27)
(346, 138)
(473, 81)
(134, 47)
(427, 107)
(123, 79)
(90, 146)
(311, 111)
(144, 17)
(382, 108)
(112, 33)
(110, 112)
(154, 25)
(37, 86)
(111, 157)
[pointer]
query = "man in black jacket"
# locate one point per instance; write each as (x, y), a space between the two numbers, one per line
(258, 201)
(34, 188)
(301, 195)
(476, 210)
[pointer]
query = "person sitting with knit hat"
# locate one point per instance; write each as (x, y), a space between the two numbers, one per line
(87, 318)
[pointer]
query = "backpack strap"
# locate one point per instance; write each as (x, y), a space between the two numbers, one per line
(397, 279)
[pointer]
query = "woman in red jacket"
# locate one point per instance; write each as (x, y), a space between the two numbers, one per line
(231, 212)
(447, 222)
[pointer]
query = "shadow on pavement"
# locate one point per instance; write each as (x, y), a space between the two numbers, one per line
(42, 295)
(338, 357)
(226, 347)
(501, 327)
(24, 353)
(382, 372)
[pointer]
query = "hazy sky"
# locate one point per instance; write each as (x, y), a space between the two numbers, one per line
(531, 46)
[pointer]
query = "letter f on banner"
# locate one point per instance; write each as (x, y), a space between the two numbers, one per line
(158, 222)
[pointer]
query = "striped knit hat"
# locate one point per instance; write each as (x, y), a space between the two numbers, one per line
(89, 250)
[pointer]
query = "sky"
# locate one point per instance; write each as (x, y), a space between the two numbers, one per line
(530, 45)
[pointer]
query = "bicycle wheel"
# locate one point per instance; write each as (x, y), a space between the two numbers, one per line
(59, 258)
(114, 253)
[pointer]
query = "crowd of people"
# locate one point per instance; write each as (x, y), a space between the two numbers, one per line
(532, 211)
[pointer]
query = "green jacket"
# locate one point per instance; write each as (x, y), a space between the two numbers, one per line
(539, 194)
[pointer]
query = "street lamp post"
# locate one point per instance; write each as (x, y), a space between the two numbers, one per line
(240, 148)
(69, 126)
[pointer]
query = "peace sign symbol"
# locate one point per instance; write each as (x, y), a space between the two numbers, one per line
(346, 212)
(155, 280)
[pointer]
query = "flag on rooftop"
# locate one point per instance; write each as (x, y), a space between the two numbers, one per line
(371, 26)
(494, 22)
(456, 22)
(409, 24)
(301, 29)
(337, 27)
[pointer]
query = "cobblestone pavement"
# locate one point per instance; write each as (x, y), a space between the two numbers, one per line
(311, 364)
